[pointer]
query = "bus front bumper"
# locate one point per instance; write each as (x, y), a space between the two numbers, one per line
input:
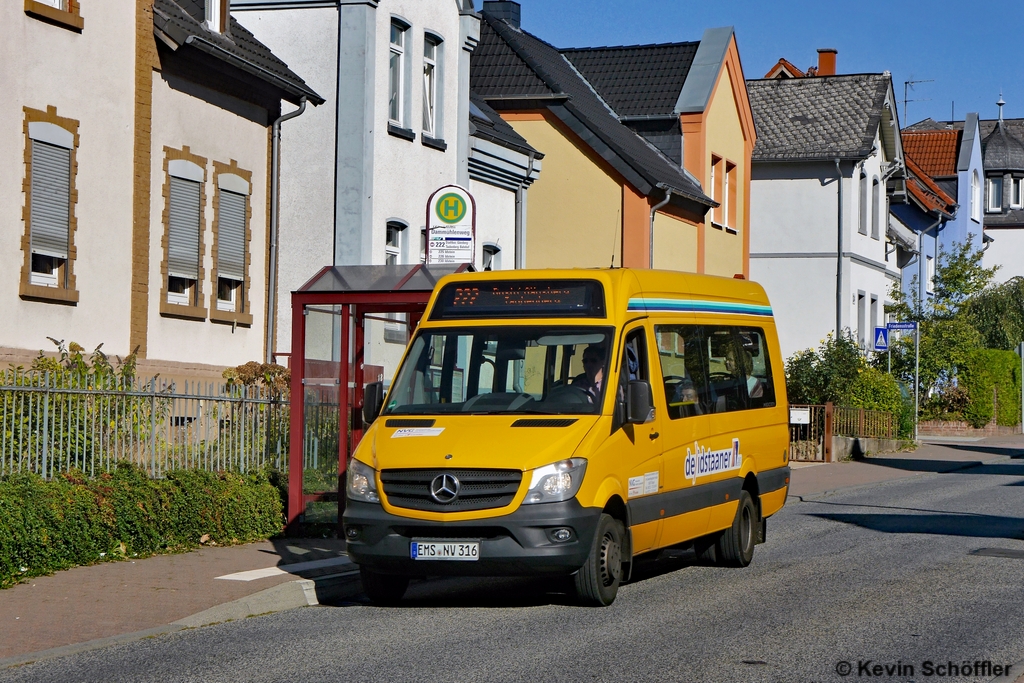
(521, 543)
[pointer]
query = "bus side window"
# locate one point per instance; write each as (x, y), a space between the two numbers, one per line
(682, 370)
(757, 367)
(725, 370)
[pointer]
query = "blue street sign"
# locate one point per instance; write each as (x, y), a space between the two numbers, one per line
(881, 339)
(901, 326)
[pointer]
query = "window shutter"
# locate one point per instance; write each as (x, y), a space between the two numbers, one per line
(51, 199)
(183, 233)
(231, 236)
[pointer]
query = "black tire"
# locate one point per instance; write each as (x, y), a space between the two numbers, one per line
(597, 581)
(735, 547)
(383, 589)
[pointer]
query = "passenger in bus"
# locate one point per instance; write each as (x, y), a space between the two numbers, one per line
(592, 378)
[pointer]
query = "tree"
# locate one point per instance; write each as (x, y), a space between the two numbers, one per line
(997, 312)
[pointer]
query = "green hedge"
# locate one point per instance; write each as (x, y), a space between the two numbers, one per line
(985, 370)
(74, 520)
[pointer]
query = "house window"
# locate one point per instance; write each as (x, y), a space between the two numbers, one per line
(231, 239)
(930, 283)
(975, 198)
(430, 74)
(396, 80)
(863, 226)
(184, 227)
(861, 323)
(729, 196)
(48, 211)
(718, 189)
(995, 195)
(63, 13)
(491, 257)
(1015, 193)
(423, 245)
(393, 243)
(876, 199)
(217, 15)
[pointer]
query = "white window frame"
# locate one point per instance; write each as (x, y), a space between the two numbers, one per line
(994, 201)
(975, 197)
(187, 171)
(394, 250)
(876, 217)
(431, 68)
(930, 275)
(862, 226)
(216, 15)
(57, 138)
(1016, 198)
(494, 251)
(231, 303)
(396, 73)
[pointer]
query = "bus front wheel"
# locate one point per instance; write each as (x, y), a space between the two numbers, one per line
(735, 547)
(597, 581)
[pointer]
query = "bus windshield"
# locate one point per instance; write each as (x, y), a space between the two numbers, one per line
(503, 370)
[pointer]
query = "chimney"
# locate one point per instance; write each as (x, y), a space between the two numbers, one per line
(503, 9)
(827, 61)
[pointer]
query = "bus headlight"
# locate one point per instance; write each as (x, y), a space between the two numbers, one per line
(556, 482)
(361, 482)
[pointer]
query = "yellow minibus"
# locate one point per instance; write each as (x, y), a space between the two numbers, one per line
(563, 422)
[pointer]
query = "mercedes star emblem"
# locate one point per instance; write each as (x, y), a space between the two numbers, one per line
(444, 488)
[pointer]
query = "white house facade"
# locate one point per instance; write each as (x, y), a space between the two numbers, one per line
(820, 242)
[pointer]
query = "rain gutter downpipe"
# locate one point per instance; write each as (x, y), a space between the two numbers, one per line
(275, 191)
(839, 256)
(654, 210)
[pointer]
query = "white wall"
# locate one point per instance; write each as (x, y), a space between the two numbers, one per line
(1007, 252)
(495, 221)
(88, 77)
(307, 41)
(222, 136)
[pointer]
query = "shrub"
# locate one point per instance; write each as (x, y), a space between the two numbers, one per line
(75, 520)
(874, 390)
(991, 374)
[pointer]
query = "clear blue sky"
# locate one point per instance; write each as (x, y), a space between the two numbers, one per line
(971, 49)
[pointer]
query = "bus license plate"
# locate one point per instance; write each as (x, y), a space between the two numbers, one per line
(437, 550)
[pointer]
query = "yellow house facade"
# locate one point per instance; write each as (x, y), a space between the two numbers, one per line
(641, 169)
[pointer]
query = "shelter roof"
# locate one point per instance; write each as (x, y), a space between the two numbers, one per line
(417, 277)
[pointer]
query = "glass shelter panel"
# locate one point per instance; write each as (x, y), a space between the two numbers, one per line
(321, 410)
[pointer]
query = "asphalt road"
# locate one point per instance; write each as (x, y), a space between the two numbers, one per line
(886, 573)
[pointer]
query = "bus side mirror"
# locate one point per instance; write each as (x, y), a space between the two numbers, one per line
(639, 407)
(373, 401)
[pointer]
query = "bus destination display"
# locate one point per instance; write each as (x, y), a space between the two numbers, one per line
(537, 299)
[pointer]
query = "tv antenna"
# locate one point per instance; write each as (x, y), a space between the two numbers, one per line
(910, 84)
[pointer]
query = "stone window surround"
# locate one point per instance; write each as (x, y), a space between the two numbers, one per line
(195, 312)
(70, 18)
(241, 316)
(66, 294)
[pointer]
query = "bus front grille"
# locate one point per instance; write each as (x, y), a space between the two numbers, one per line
(477, 489)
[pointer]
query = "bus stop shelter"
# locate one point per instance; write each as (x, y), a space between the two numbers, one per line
(328, 372)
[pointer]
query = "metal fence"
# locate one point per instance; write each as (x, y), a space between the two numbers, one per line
(53, 421)
(866, 424)
(810, 440)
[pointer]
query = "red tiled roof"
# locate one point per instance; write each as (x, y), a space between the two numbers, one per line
(787, 66)
(925, 191)
(934, 151)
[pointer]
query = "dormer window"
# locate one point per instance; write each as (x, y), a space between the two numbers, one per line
(217, 15)
(1015, 194)
(975, 198)
(995, 195)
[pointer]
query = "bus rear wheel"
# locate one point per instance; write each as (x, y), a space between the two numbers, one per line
(383, 589)
(597, 581)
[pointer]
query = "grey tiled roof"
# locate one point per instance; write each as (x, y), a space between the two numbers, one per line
(637, 80)
(488, 125)
(510, 64)
(182, 19)
(817, 118)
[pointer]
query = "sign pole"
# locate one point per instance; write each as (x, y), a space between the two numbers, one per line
(917, 373)
(1022, 387)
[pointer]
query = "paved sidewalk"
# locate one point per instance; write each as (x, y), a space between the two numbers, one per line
(114, 598)
(938, 455)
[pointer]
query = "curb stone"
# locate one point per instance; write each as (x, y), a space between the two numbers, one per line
(284, 596)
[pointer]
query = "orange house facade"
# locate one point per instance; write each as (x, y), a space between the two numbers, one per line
(647, 148)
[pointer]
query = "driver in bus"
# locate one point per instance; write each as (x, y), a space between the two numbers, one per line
(592, 378)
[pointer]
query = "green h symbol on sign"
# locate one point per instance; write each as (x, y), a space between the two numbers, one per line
(451, 208)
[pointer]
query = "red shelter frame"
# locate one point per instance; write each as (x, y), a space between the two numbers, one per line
(360, 292)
